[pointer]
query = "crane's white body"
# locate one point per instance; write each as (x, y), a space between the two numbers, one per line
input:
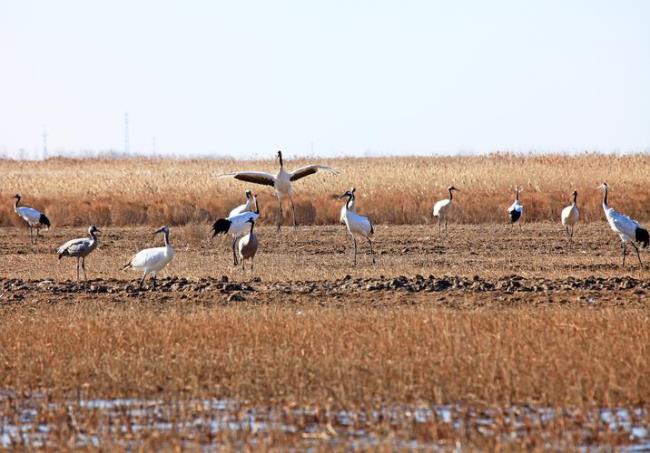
(628, 229)
(152, 260)
(621, 224)
(357, 225)
(239, 225)
(441, 207)
(281, 182)
(80, 248)
(30, 215)
(570, 216)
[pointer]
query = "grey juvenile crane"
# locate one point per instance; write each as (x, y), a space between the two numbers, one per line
(248, 246)
(80, 248)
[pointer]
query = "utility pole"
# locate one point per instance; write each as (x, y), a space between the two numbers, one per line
(126, 133)
(44, 142)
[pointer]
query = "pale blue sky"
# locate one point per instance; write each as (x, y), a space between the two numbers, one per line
(244, 78)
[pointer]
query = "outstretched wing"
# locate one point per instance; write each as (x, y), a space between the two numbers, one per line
(256, 177)
(301, 172)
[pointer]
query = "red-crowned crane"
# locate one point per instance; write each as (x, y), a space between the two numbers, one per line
(35, 219)
(628, 229)
(442, 207)
(281, 182)
(570, 216)
(357, 225)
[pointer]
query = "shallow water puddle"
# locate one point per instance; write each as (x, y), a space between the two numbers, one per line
(36, 422)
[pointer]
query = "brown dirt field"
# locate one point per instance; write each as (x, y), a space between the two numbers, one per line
(490, 338)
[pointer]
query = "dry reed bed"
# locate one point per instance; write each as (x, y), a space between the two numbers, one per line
(391, 190)
(342, 357)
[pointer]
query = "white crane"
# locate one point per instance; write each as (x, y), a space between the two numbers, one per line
(248, 246)
(570, 216)
(442, 207)
(627, 229)
(248, 206)
(152, 260)
(80, 248)
(357, 225)
(282, 182)
(35, 219)
(516, 210)
(236, 226)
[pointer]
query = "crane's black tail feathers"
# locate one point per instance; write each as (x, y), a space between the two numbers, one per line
(642, 236)
(44, 221)
(514, 215)
(221, 226)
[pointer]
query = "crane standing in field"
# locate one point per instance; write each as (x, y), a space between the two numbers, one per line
(282, 182)
(627, 228)
(516, 209)
(442, 207)
(357, 224)
(80, 248)
(248, 246)
(35, 219)
(152, 260)
(570, 216)
(236, 226)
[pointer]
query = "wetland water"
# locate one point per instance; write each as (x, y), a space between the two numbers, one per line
(38, 422)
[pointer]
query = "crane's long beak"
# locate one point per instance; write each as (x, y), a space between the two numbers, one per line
(159, 231)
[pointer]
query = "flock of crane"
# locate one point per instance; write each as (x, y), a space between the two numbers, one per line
(240, 223)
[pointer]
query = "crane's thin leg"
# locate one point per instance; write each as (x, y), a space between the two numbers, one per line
(293, 211)
(252, 264)
(142, 281)
(624, 246)
(83, 267)
(77, 268)
(354, 245)
(520, 225)
(573, 227)
(637, 254)
(31, 239)
(439, 226)
(445, 226)
(154, 279)
(279, 213)
(234, 253)
(372, 254)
